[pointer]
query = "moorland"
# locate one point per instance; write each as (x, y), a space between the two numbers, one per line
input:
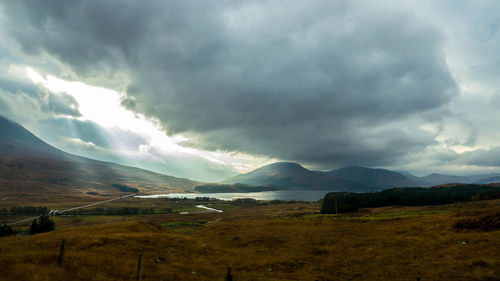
(263, 241)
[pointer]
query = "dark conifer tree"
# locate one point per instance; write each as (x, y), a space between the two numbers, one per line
(46, 224)
(34, 227)
(6, 230)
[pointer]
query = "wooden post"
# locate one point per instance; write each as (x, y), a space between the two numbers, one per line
(336, 211)
(139, 264)
(61, 253)
(229, 277)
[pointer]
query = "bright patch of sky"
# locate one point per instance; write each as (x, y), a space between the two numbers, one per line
(103, 106)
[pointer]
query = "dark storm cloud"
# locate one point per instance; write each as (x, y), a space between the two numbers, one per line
(323, 82)
(70, 30)
(63, 104)
(481, 157)
(20, 100)
(10, 86)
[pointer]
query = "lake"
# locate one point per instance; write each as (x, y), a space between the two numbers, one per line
(302, 195)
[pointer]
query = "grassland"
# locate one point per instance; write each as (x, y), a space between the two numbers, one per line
(264, 242)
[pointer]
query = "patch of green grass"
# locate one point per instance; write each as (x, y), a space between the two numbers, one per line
(184, 227)
(187, 209)
(182, 224)
(185, 230)
(221, 206)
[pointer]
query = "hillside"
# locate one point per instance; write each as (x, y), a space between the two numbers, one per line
(440, 179)
(294, 176)
(380, 178)
(29, 165)
(278, 174)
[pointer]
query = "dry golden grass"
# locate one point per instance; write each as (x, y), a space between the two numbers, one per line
(276, 242)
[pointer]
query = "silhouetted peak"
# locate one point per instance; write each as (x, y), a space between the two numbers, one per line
(284, 165)
(17, 140)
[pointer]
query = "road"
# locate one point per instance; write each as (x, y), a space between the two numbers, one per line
(97, 203)
(75, 208)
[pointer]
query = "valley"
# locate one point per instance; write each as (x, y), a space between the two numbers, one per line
(269, 239)
(262, 241)
(249, 140)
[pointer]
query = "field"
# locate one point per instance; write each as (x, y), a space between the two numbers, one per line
(264, 242)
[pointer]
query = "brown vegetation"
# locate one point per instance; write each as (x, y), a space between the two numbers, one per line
(272, 242)
(486, 222)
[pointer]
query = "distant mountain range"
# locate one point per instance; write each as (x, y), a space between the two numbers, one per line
(294, 176)
(27, 164)
(439, 179)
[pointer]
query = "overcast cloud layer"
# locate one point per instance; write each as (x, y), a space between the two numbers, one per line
(324, 83)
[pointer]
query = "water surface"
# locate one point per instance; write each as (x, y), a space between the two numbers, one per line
(302, 195)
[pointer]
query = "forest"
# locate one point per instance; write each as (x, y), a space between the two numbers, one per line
(340, 202)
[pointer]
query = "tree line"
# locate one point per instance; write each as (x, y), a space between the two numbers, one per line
(24, 210)
(44, 223)
(339, 202)
(114, 211)
(34, 211)
(6, 230)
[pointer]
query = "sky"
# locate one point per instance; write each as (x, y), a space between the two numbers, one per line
(209, 89)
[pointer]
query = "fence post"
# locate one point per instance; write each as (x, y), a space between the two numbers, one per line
(139, 264)
(229, 277)
(61, 253)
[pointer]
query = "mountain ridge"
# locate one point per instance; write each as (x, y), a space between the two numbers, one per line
(294, 176)
(28, 164)
(351, 178)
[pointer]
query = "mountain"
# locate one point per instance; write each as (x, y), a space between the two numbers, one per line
(440, 179)
(29, 165)
(437, 179)
(279, 174)
(16, 141)
(488, 180)
(379, 178)
(294, 176)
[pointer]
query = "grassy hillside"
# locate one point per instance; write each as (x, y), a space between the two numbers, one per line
(294, 176)
(266, 242)
(379, 178)
(30, 166)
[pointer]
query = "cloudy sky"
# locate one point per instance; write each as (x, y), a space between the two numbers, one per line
(207, 89)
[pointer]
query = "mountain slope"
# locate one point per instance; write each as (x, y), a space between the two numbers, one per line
(280, 174)
(27, 164)
(436, 179)
(488, 180)
(440, 179)
(294, 176)
(380, 178)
